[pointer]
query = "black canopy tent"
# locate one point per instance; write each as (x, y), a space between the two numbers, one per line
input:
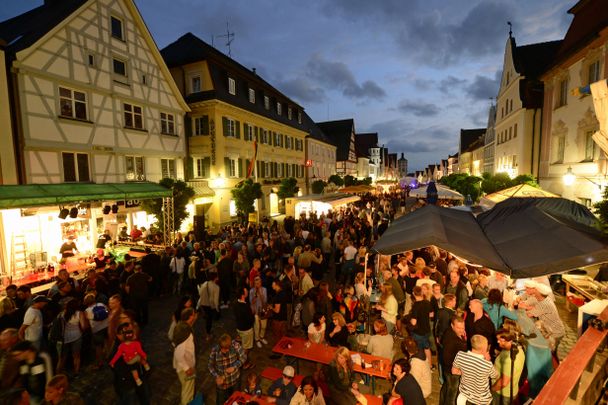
(524, 237)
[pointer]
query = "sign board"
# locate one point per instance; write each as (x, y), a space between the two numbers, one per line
(253, 217)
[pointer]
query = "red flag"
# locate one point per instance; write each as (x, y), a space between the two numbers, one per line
(252, 163)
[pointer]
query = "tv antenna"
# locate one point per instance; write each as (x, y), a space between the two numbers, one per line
(229, 38)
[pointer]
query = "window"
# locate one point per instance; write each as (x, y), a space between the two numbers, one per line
(590, 148)
(120, 67)
(229, 127)
(144, 80)
(252, 96)
(167, 123)
(510, 133)
(133, 116)
(267, 102)
(280, 170)
(562, 97)
(265, 136)
(231, 86)
(91, 60)
(288, 142)
(289, 113)
(268, 169)
(231, 167)
(167, 168)
(135, 168)
(201, 125)
(594, 72)
(233, 211)
(75, 167)
(279, 108)
(196, 84)
(202, 167)
(511, 105)
(116, 27)
(515, 131)
(249, 132)
(299, 117)
(560, 149)
(73, 104)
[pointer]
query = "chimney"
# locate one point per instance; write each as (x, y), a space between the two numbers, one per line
(253, 70)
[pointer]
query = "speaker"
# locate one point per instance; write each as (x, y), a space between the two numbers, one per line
(63, 214)
(114, 209)
(198, 224)
(106, 209)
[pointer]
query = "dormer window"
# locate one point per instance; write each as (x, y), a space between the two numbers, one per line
(289, 113)
(299, 117)
(117, 28)
(196, 84)
(279, 108)
(252, 96)
(593, 72)
(231, 86)
(267, 102)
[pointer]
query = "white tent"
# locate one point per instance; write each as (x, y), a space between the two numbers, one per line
(443, 193)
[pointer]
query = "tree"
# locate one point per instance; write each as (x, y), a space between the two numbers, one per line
(244, 194)
(350, 181)
(182, 194)
(337, 180)
(318, 186)
(367, 181)
(601, 210)
(499, 181)
(464, 183)
(288, 188)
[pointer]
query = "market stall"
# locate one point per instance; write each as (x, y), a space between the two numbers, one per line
(519, 191)
(319, 203)
(47, 227)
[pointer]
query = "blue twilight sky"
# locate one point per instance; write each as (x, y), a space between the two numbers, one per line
(415, 71)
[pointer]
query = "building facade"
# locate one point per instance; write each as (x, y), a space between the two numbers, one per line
(569, 119)
(236, 118)
(402, 166)
(342, 134)
(489, 145)
(519, 107)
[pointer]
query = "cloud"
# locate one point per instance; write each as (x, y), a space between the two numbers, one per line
(483, 88)
(479, 118)
(302, 90)
(423, 84)
(451, 83)
(338, 76)
(418, 108)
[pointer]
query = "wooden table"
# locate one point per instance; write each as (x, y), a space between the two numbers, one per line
(320, 353)
(241, 397)
(585, 286)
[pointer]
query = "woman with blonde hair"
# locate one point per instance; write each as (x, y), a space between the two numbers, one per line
(338, 334)
(388, 305)
(341, 379)
(360, 288)
(380, 344)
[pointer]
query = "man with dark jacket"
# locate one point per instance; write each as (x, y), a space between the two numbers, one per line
(244, 323)
(453, 341)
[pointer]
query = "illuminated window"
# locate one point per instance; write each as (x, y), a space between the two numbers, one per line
(135, 168)
(168, 168)
(133, 115)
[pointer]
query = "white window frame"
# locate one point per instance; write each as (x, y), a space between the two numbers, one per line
(134, 114)
(168, 166)
(122, 27)
(593, 72)
(167, 123)
(135, 174)
(265, 136)
(279, 108)
(590, 147)
(289, 171)
(77, 172)
(289, 113)
(250, 134)
(231, 127)
(232, 86)
(199, 168)
(196, 88)
(288, 142)
(233, 168)
(73, 101)
(267, 102)
(280, 170)
(267, 169)
(562, 95)
(198, 126)
(251, 96)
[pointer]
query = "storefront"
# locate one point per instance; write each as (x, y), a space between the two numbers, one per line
(38, 222)
(321, 204)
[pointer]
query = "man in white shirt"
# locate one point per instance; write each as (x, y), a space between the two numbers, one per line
(209, 293)
(184, 359)
(31, 330)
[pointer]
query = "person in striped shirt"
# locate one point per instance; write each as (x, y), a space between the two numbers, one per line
(475, 370)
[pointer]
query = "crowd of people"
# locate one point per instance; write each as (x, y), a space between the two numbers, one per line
(314, 277)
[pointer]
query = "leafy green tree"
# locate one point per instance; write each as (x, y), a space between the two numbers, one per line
(244, 194)
(182, 194)
(601, 210)
(337, 180)
(495, 183)
(349, 181)
(288, 188)
(318, 186)
(464, 183)
(525, 179)
(367, 181)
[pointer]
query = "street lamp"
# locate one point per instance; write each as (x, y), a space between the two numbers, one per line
(569, 178)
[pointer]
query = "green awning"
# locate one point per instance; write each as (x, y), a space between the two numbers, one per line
(36, 195)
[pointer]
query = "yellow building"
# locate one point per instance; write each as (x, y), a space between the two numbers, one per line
(233, 109)
(8, 168)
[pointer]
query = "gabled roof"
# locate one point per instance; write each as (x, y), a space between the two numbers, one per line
(532, 60)
(590, 17)
(364, 142)
(339, 132)
(469, 136)
(314, 131)
(190, 49)
(24, 30)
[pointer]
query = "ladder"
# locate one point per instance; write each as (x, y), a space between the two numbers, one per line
(18, 256)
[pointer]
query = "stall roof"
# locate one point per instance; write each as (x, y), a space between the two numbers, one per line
(334, 198)
(522, 237)
(519, 191)
(36, 195)
(443, 193)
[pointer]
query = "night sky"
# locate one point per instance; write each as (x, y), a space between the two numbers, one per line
(415, 71)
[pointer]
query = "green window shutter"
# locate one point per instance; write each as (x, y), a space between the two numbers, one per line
(247, 163)
(258, 169)
(275, 141)
(240, 173)
(190, 168)
(237, 126)
(294, 167)
(245, 131)
(255, 131)
(225, 125)
(282, 140)
(226, 167)
(262, 169)
(276, 169)
(205, 125)
(207, 167)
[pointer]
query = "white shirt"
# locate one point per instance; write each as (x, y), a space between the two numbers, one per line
(209, 293)
(349, 252)
(33, 318)
(97, 326)
(183, 356)
(178, 265)
(314, 334)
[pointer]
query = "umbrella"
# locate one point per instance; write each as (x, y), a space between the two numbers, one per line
(443, 193)
(519, 191)
(520, 237)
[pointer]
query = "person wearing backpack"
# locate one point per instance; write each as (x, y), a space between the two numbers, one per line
(75, 322)
(98, 316)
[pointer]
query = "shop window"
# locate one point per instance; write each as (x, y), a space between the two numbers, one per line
(73, 104)
(167, 124)
(116, 26)
(167, 167)
(133, 116)
(201, 125)
(75, 167)
(135, 168)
